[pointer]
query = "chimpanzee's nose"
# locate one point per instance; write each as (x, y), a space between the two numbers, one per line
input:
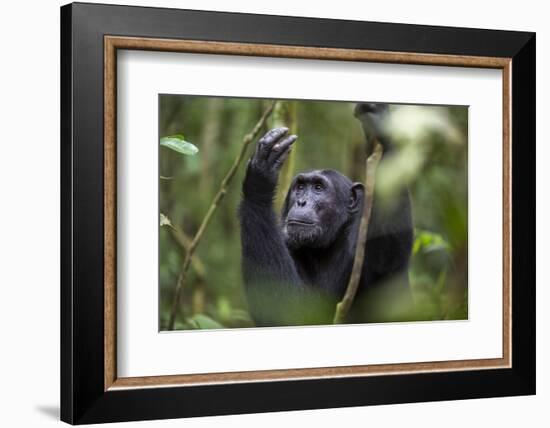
(301, 202)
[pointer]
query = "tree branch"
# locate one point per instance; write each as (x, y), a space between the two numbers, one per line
(343, 307)
(185, 242)
(212, 209)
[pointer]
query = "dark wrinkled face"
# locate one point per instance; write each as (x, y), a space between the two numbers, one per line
(317, 206)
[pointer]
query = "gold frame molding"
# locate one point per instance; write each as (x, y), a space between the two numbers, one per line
(113, 43)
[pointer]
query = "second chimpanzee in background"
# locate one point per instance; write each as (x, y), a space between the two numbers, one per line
(297, 266)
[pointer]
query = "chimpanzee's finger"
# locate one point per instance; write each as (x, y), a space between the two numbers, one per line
(281, 147)
(278, 163)
(268, 140)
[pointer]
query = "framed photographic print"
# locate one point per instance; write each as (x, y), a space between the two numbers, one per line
(265, 213)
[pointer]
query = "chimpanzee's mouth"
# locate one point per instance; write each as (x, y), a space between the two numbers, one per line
(295, 222)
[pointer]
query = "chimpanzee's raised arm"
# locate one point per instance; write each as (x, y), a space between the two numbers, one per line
(264, 166)
(268, 268)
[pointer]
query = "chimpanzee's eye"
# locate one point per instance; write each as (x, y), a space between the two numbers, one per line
(300, 186)
(318, 187)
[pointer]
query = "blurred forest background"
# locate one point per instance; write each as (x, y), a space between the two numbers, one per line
(433, 159)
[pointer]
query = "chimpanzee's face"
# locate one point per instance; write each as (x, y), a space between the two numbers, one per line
(317, 206)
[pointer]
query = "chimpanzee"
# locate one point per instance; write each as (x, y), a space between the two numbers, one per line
(297, 267)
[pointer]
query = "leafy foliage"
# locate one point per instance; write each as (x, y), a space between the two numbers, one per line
(178, 144)
(427, 241)
(201, 321)
(432, 158)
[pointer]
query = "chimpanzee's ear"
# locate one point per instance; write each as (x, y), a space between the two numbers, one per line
(357, 192)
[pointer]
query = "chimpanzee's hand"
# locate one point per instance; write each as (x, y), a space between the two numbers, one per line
(271, 152)
(264, 166)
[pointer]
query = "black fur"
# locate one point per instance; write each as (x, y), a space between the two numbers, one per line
(296, 268)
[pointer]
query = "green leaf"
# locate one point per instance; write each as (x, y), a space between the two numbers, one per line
(178, 144)
(201, 321)
(176, 136)
(164, 220)
(240, 315)
(426, 242)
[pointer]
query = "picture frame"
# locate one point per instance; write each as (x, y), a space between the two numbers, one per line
(91, 35)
